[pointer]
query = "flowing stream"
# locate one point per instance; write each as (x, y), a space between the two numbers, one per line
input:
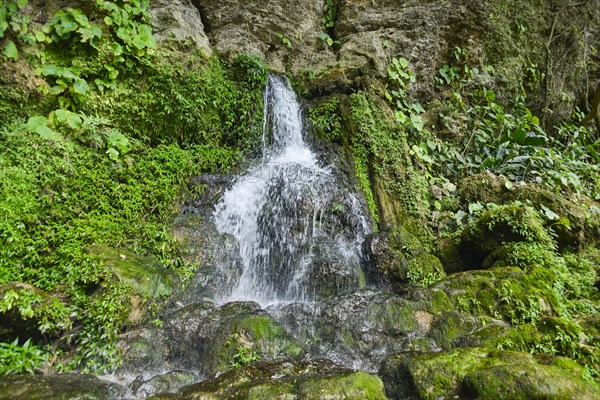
(293, 221)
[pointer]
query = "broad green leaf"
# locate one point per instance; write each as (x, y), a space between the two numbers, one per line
(534, 140)
(108, 21)
(40, 36)
(81, 86)
(11, 51)
(112, 154)
(61, 115)
(39, 124)
(52, 70)
(74, 121)
(519, 136)
(79, 17)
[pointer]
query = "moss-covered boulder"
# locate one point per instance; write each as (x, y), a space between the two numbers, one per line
(514, 222)
(225, 336)
(480, 373)
(361, 328)
(29, 312)
(318, 379)
(564, 217)
(484, 188)
(146, 276)
(397, 258)
(508, 293)
(58, 387)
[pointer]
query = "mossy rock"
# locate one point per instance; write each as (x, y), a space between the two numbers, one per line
(146, 276)
(502, 224)
(507, 293)
(470, 373)
(528, 380)
(398, 258)
(222, 337)
(521, 254)
(282, 380)
(29, 312)
(483, 188)
(569, 222)
(58, 387)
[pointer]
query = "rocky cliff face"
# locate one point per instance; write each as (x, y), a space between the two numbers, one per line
(513, 36)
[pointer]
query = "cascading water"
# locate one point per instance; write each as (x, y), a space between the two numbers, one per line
(293, 221)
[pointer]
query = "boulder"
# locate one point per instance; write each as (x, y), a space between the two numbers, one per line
(479, 373)
(361, 328)
(397, 258)
(146, 276)
(218, 334)
(58, 387)
(169, 382)
(499, 225)
(179, 21)
(319, 379)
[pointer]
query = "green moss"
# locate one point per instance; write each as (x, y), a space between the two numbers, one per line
(479, 373)
(145, 275)
(356, 386)
(269, 337)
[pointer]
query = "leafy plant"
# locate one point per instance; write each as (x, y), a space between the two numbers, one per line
(328, 22)
(243, 354)
(20, 359)
(67, 85)
(284, 40)
(325, 118)
(14, 27)
(65, 24)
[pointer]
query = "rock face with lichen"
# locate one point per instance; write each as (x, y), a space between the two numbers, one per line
(368, 34)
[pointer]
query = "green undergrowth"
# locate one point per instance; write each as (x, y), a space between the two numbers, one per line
(100, 131)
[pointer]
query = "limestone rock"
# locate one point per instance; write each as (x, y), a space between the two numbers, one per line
(180, 21)
(253, 26)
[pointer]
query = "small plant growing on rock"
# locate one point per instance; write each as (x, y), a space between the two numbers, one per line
(244, 354)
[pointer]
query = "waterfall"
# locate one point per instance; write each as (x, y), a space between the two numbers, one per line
(292, 221)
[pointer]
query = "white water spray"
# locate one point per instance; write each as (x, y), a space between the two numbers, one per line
(280, 211)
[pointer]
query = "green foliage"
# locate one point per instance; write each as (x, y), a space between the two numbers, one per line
(18, 359)
(406, 112)
(50, 314)
(69, 24)
(243, 354)
(327, 23)
(326, 120)
(14, 27)
(287, 42)
(506, 138)
(191, 102)
(68, 86)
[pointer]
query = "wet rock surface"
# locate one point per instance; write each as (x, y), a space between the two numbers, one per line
(288, 379)
(58, 387)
